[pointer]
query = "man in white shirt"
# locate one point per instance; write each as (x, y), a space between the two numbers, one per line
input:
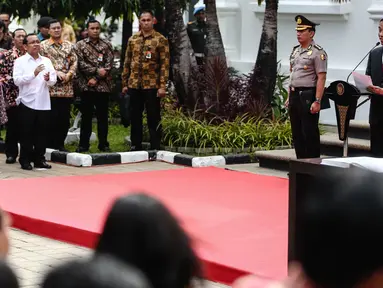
(33, 74)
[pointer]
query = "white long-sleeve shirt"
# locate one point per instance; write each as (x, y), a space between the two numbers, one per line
(33, 90)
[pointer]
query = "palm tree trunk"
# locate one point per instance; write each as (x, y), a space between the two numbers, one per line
(183, 61)
(265, 70)
(216, 70)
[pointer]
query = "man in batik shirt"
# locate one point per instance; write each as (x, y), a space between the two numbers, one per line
(64, 60)
(10, 92)
(145, 74)
(95, 62)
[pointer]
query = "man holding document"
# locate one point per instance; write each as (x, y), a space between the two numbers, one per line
(375, 71)
(308, 67)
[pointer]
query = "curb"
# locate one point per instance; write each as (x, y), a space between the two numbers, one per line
(95, 159)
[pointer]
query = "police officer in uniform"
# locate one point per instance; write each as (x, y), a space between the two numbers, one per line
(308, 67)
(197, 34)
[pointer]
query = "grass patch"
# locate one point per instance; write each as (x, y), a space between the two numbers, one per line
(116, 138)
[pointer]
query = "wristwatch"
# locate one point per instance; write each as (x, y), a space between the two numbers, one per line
(317, 100)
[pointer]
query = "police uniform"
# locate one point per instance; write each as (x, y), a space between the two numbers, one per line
(305, 63)
(197, 35)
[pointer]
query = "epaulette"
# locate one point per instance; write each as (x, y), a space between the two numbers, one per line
(295, 47)
(191, 22)
(318, 47)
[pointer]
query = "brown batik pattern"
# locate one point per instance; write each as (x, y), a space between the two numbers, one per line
(146, 62)
(89, 61)
(64, 59)
(9, 89)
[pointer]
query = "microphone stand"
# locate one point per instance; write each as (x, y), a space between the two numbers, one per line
(348, 77)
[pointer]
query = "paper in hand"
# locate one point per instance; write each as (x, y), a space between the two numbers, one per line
(362, 81)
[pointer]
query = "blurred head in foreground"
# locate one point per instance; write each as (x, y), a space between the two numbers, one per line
(142, 232)
(102, 272)
(342, 243)
(8, 278)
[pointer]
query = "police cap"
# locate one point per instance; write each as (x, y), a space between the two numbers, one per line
(303, 23)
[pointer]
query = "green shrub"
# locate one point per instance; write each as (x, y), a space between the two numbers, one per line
(180, 130)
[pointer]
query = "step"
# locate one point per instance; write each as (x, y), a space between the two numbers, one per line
(275, 159)
(330, 146)
(358, 129)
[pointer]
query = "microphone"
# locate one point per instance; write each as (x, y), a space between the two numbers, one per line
(377, 44)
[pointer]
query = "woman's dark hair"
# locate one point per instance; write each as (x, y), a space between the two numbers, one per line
(141, 231)
(342, 224)
(101, 272)
(8, 278)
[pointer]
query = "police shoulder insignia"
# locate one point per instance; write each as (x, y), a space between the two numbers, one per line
(323, 57)
(318, 47)
(294, 48)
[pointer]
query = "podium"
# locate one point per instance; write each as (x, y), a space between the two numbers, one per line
(345, 97)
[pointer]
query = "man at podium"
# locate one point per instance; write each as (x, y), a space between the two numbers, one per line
(375, 71)
(308, 67)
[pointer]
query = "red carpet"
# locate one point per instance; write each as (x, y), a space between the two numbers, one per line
(238, 220)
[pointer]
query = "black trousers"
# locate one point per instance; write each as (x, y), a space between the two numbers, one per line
(12, 137)
(145, 99)
(34, 125)
(304, 126)
(59, 121)
(376, 139)
(89, 101)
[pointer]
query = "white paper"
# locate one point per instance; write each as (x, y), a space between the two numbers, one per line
(370, 163)
(362, 81)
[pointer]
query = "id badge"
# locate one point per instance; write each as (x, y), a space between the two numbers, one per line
(66, 64)
(100, 57)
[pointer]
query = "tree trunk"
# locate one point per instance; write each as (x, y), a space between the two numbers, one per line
(265, 70)
(182, 58)
(159, 14)
(216, 70)
(127, 31)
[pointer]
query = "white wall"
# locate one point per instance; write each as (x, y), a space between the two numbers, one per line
(347, 32)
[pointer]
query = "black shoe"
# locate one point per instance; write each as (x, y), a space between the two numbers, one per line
(26, 166)
(43, 165)
(136, 148)
(105, 149)
(62, 149)
(81, 150)
(10, 160)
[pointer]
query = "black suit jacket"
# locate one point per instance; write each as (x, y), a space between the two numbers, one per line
(375, 71)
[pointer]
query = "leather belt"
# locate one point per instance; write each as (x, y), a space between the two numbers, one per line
(297, 89)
